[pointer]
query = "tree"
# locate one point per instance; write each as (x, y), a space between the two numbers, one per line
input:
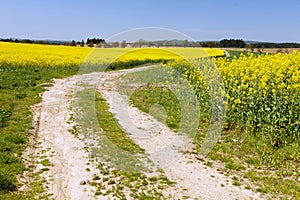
(149, 44)
(123, 44)
(204, 44)
(73, 43)
(185, 43)
(95, 41)
(115, 44)
(141, 42)
(82, 43)
(106, 45)
(211, 44)
(159, 44)
(173, 43)
(136, 45)
(167, 43)
(232, 43)
(247, 47)
(193, 44)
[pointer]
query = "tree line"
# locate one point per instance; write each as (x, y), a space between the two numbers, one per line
(46, 42)
(100, 42)
(90, 41)
(239, 43)
(274, 45)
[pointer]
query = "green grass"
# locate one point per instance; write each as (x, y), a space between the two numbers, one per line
(111, 128)
(19, 89)
(147, 97)
(46, 162)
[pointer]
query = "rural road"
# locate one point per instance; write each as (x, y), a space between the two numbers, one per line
(70, 155)
(226, 53)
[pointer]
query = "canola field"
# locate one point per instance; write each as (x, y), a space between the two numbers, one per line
(14, 54)
(262, 93)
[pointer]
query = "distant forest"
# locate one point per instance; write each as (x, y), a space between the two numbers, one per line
(47, 42)
(100, 42)
(275, 45)
(242, 44)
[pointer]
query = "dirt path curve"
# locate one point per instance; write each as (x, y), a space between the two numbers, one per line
(70, 160)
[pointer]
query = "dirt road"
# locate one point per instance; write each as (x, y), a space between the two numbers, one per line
(68, 178)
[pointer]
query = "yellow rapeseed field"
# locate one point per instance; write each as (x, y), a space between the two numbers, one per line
(40, 55)
(262, 92)
(49, 55)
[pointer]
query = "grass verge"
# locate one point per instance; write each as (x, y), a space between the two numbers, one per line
(19, 89)
(111, 129)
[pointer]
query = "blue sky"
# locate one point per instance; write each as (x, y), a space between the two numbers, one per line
(260, 20)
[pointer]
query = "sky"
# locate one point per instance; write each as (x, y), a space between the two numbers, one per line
(201, 20)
